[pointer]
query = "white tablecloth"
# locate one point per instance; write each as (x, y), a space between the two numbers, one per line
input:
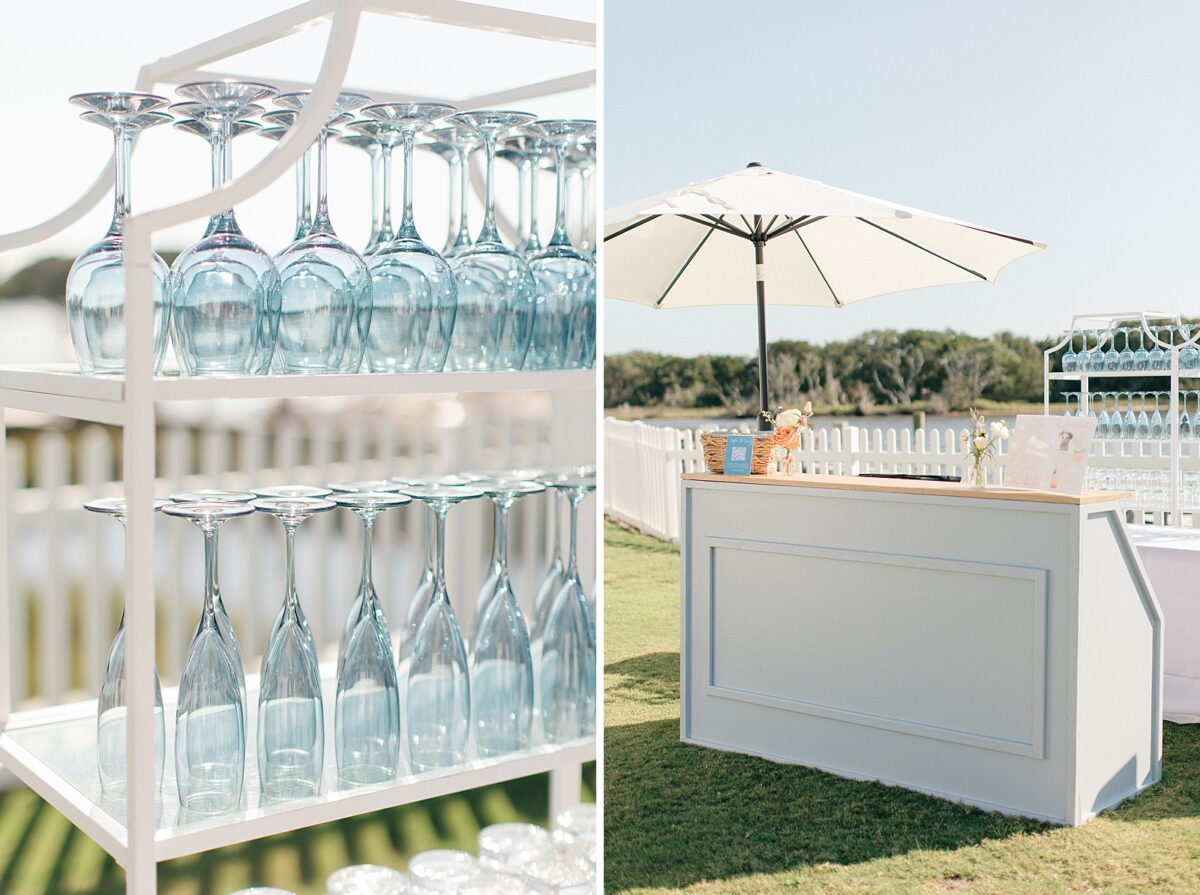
(1171, 557)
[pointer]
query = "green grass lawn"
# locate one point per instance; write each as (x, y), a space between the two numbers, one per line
(684, 817)
(41, 853)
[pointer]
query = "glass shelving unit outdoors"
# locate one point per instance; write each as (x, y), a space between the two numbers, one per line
(52, 749)
(1104, 355)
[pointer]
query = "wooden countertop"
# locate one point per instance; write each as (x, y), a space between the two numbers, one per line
(911, 486)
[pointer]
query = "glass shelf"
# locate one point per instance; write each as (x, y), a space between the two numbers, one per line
(53, 750)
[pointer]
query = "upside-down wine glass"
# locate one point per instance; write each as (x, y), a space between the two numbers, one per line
(422, 597)
(437, 143)
(1069, 357)
(1129, 421)
(386, 137)
(1141, 357)
(1126, 352)
(225, 291)
(374, 151)
(583, 160)
(281, 121)
(515, 149)
(1112, 357)
(416, 298)
(95, 291)
(326, 308)
(210, 719)
(438, 696)
(501, 657)
(112, 706)
(291, 719)
(568, 661)
(566, 277)
(217, 495)
(1158, 357)
(496, 289)
(464, 140)
(366, 725)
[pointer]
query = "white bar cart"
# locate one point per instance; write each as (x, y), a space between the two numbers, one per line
(52, 749)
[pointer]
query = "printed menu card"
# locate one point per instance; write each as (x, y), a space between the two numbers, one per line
(1049, 453)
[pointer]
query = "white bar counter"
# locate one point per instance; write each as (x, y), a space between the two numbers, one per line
(996, 647)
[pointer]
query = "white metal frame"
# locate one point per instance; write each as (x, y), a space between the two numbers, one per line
(130, 403)
(1173, 374)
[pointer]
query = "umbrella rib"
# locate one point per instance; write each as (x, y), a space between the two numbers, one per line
(771, 224)
(632, 226)
(917, 245)
(837, 301)
(795, 224)
(719, 223)
(686, 264)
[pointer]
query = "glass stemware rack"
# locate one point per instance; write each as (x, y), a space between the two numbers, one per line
(1138, 374)
(53, 749)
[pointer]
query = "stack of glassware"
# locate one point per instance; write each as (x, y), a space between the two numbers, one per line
(1098, 350)
(513, 859)
(1143, 415)
(228, 308)
(445, 699)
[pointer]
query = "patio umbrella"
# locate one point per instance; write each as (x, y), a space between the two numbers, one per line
(701, 245)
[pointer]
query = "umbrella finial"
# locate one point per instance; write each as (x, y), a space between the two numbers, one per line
(756, 165)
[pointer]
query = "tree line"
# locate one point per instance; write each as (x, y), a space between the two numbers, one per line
(937, 371)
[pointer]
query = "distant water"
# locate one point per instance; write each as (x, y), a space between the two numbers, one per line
(887, 423)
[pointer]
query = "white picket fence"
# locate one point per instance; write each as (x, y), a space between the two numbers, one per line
(65, 567)
(643, 464)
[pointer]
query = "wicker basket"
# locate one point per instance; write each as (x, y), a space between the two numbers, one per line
(713, 445)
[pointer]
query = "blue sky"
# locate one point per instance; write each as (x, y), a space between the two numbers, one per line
(1075, 123)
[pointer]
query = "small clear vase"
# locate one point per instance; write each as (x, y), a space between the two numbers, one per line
(977, 474)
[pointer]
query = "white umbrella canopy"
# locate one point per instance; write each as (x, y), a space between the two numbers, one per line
(824, 247)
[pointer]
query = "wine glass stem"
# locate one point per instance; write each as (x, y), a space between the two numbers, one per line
(589, 217)
(572, 561)
(321, 221)
(303, 193)
(430, 546)
(376, 188)
(463, 237)
(489, 233)
(223, 161)
(523, 201)
(289, 587)
(368, 520)
(499, 536)
(385, 193)
(408, 226)
(210, 571)
(122, 147)
(440, 567)
(561, 237)
(556, 502)
(534, 242)
(455, 216)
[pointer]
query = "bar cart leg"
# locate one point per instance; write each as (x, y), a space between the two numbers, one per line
(6, 615)
(566, 785)
(139, 461)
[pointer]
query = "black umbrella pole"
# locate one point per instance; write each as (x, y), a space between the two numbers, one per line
(764, 423)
